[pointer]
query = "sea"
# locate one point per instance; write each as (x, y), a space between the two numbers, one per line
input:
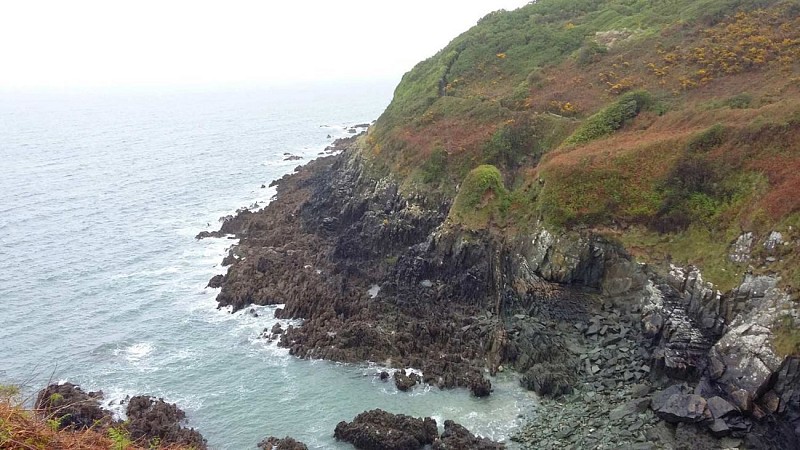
(103, 284)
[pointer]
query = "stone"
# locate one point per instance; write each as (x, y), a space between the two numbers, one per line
(378, 429)
(679, 407)
(720, 407)
(456, 436)
(154, 419)
(742, 400)
(640, 390)
(719, 428)
(71, 406)
(287, 443)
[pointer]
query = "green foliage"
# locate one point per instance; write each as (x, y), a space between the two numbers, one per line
(9, 391)
(55, 398)
(739, 101)
(707, 140)
(787, 337)
(482, 198)
(120, 437)
(54, 424)
(433, 170)
(611, 118)
(590, 52)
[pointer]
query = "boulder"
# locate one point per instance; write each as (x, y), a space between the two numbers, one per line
(675, 405)
(379, 430)
(150, 418)
(216, 281)
(71, 406)
(480, 386)
(456, 437)
(405, 382)
(287, 443)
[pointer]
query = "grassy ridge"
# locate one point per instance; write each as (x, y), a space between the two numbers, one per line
(671, 125)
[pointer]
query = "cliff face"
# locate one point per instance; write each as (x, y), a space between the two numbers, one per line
(547, 194)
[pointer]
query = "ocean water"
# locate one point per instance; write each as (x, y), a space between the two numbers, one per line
(103, 283)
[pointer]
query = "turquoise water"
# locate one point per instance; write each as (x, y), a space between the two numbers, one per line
(103, 283)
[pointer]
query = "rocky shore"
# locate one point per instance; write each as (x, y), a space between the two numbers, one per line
(150, 422)
(622, 354)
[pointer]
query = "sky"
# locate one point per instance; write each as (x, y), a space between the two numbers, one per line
(82, 43)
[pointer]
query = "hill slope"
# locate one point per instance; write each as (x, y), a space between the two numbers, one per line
(674, 121)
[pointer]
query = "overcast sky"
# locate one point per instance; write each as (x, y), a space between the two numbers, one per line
(62, 43)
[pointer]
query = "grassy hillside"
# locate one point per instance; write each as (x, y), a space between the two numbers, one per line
(671, 125)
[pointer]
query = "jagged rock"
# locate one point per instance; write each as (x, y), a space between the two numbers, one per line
(71, 406)
(675, 405)
(384, 375)
(405, 382)
(287, 443)
(719, 407)
(216, 281)
(740, 250)
(150, 418)
(456, 437)
(773, 241)
(378, 429)
(480, 386)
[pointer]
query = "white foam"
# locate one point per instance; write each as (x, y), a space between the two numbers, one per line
(138, 351)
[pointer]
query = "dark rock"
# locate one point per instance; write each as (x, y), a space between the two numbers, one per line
(456, 437)
(673, 405)
(276, 329)
(292, 158)
(480, 386)
(216, 281)
(71, 406)
(287, 443)
(405, 382)
(719, 428)
(384, 376)
(150, 418)
(720, 407)
(378, 429)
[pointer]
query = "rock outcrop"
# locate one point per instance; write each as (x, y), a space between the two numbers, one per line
(150, 418)
(381, 430)
(287, 443)
(71, 407)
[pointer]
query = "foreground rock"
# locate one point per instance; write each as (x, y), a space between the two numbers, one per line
(287, 443)
(150, 418)
(378, 430)
(456, 437)
(71, 407)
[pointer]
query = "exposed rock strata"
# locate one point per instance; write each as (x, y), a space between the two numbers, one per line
(557, 307)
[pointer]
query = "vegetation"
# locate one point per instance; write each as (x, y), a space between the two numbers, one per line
(672, 126)
(24, 429)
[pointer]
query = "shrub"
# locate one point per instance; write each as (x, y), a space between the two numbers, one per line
(481, 198)
(434, 168)
(611, 118)
(707, 140)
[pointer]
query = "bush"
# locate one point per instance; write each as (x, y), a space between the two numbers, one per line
(707, 140)
(611, 118)
(481, 198)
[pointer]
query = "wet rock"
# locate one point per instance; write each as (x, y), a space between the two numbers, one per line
(404, 381)
(216, 281)
(384, 376)
(456, 437)
(480, 386)
(276, 329)
(71, 406)
(378, 429)
(287, 443)
(150, 418)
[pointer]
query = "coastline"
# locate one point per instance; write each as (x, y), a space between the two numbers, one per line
(462, 305)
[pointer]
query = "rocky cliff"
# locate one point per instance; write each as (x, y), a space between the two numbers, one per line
(546, 194)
